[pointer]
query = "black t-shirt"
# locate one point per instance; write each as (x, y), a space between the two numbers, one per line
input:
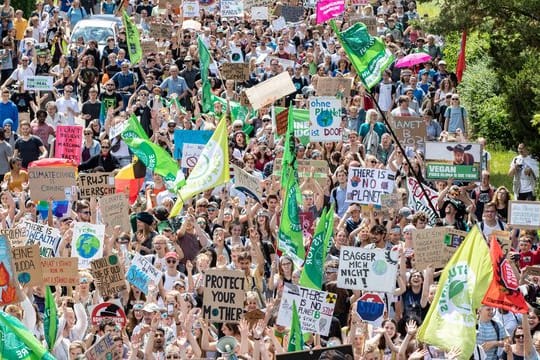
(110, 101)
(111, 70)
(89, 75)
(92, 109)
(28, 149)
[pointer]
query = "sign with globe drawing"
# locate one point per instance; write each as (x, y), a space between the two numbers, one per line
(325, 119)
(87, 243)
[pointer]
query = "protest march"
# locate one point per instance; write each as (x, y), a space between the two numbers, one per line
(253, 180)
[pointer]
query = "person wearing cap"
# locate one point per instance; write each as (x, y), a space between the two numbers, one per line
(144, 233)
(8, 111)
(41, 129)
(171, 275)
(352, 218)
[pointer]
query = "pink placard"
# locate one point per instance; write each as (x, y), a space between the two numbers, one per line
(68, 142)
(328, 9)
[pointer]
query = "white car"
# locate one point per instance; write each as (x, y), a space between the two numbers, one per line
(96, 28)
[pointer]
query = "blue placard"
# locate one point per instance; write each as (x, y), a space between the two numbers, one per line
(190, 137)
(369, 311)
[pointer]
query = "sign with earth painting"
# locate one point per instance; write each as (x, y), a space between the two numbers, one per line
(87, 244)
(325, 119)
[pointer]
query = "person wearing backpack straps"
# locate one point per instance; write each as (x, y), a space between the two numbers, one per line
(491, 335)
(490, 222)
(482, 194)
(455, 116)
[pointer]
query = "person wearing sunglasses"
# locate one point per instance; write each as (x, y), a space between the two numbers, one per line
(105, 161)
(171, 275)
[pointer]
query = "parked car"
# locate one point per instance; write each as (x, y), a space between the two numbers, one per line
(96, 27)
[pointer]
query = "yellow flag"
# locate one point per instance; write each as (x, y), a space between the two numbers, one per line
(451, 320)
(211, 170)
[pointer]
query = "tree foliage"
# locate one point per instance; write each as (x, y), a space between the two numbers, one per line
(27, 6)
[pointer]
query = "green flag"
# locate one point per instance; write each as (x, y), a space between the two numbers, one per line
(289, 155)
(329, 228)
(312, 273)
(18, 343)
(133, 38)
(368, 54)
(50, 319)
(290, 235)
(296, 338)
(153, 156)
(204, 61)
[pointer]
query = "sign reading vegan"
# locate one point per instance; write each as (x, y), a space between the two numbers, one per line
(27, 264)
(410, 130)
(38, 83)
(109, 275)
(524, 214)
(87, 243)
(50, 182)
(96, 185)
(47, 237)
(68, 143)
(458, 161)
(223, 299)
(315, 308)
(60, 271)
(367, 185)
(325, 116)
(141, 273)
(435, 246)
(367, 269)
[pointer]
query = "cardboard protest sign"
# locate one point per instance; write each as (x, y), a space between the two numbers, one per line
(47, 237)
(504, 240)
(325, 118)
(531, 271)
(189, 136)
(38, 83)
(27, 264)
(109, 276)
(224, 293)
(50, 182)
(248, 4)
(410, 130)
(247, 183)
(95, 185)
(367, 269)
(315, 308)
(259, 13)
(160, 30)
(190, 155)
(254, 316)
(103, 349)
(330, 86)
(369, 21)
(292, 13)
(60, 271)
(9, 289)
(235, 71)
(87, 243)
(417, 201)
(334, 352)
(142, 273)
(435, 246)
(285, 63)
(115, 211)
(232, 9)
(148, 46)
(281, 122)
(524, 214)
(458, 161)
(317, 169)
(268, 91)
(366, 185)
(391, 201)
(190, 9)
(110, 310)
(279, 23)
(16, 235)
(68, 143)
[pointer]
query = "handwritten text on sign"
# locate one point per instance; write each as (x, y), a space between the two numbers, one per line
(224, 293)
(367, 269)
(27, 264)
(141, 273)
(96, 185)
(325, 119)
(60, 271)
(47, 237)
(50, 182)
(366, 185)
(68, 142)
(109, 274)
(315, 308)
(410, 130)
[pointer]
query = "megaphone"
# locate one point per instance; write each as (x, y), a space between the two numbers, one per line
(226, 345)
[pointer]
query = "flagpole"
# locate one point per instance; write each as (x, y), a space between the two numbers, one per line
(387, 123)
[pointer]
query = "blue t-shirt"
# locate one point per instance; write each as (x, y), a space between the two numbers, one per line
(456, 118)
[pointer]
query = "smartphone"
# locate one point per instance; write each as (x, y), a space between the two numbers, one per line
(170, 309)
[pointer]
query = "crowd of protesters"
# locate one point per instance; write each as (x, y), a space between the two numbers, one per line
(222, 227)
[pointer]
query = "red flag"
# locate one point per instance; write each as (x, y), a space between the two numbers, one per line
(503, 292)
(460, 67)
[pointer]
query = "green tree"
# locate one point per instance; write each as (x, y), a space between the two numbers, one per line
(27, 6)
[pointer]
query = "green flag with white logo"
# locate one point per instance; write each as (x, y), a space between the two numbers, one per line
(312, 273)
(133, 38)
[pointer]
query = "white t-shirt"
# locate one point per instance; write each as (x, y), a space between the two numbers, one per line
(64, 104)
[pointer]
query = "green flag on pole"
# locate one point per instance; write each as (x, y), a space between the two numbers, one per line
(153, 156)
(290, 235)
(296, 339)
(330, 217)
(50, 319)
(18, 343)
(204, 61)
(312, 273)
(289, 155)
(368, 54)
(133, 38)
